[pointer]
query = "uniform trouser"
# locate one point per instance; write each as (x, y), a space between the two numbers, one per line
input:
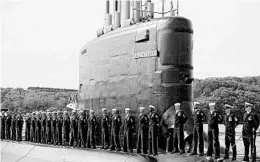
(128, 141)
(198, 135)
(38, 135)
(27, 134)
(2, 132)
(248, 141)
(66, 136)
(59, 135)
(105, 138)
(54, 135)
(213, 136)
(142, 141)
(81, 138)
(33, 135)
(179, 134)
(43, 135)
(91, 139)
(115, 142)
(8, 132)
(13, 133)
(48, 135)
(73, 137)
(230, 140)
(19, 133)
(169, 140)
(153, 141)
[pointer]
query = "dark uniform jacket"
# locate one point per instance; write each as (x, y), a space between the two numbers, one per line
(143, 122)
(154, 120)
(199, 117)
(105, 122)
(92, 123)
(230, 122)
(180, 120)
(214, 120)
(129, 123)
(19, 122)
(116, 122)
(251, 122)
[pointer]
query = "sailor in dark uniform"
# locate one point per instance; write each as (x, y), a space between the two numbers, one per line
(19, 126)
(82, 122)
(154, 122)
(38, 127)
(48, 128)
(230, 122)
(198, 117)
(27, 127)
(33, 127)
(213, 131)
(251, 124)
(66, 129)
(3, 118)
(143, 129)
(54, 128)
(92, 126)
(180, 120)
(8, 122)
(59, 125)
(115, 130)
(105, 124)
(129, 127)
(13, 126)
(43, 126)
(73, 129)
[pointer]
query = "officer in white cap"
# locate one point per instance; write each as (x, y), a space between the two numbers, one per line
(180, 120)
(129, 127)
(92, 126)
(105, 124)
(154, 122)
(213, 131)
(142, 138)
(250, 125)
(198, 117)
(115, 129)
(230, 122)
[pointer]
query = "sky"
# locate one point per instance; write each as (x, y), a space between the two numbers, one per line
(41, 39)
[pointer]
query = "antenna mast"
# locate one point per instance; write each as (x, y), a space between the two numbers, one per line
(177, 7)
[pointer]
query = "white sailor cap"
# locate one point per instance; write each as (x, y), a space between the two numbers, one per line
(141, 108)
(104, 109)
(212, 104)
(227, 106)
(177, 104)
(248, 104)
(91, 110)
(196, 103)
(127, 109)
(114, 109)
(73, 111)
(151, 107)
(81, 111)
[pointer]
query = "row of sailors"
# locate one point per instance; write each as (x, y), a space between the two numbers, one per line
(60, 129)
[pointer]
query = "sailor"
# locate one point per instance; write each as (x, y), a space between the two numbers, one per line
(92, 126)
(19, 126)
(13, 126)
(115, 130)
(59, 125)
(43, 126)
(129, 127)
(38, 127)
(8, 122)
(33, 128)
(213, 131)
(81, 128)
(3, 118)
(250, 125)
(180, 120)
(48, 128)
(198, 117)
(66, 128)
(153, 131)
(230, 122)
(142, 139)
(54, 128)
(105, 124)
(27, 127)
(73, 129)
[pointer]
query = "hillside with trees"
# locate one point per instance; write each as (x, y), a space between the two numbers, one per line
(229, 90)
